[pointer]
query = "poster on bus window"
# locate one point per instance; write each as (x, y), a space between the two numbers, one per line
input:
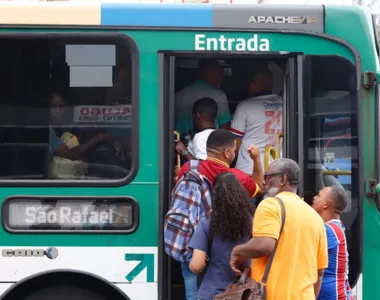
(103, 114)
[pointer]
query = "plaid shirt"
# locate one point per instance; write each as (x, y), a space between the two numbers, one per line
(191, 200)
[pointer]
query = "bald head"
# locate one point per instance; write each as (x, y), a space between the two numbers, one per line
(338, 197)
(211, 72)
(261, 80)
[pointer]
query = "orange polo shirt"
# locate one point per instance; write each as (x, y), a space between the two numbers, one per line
(302, 249)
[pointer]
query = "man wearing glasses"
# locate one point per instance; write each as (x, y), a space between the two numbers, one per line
(301, 256)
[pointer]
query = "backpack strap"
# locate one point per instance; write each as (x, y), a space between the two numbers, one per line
(194, 165)
(271, 256)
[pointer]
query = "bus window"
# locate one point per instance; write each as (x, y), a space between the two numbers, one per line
(331, 135)
(66, 108)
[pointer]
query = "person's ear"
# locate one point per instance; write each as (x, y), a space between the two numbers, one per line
(327, 204)
(283, 180)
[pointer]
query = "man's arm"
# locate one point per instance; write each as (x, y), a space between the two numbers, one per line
(238, 125)
(266, 230)
(322, 256)
(238, 144)
(257, 173)
(224, 114)
(180, 148)
(255, 247)
(226, 125)
(318, 284)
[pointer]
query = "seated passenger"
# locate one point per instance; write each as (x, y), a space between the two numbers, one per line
(59, 148)
(208, 86)
(59, 115)
(205, 111)
(257, 120)
(221, 146)
(229, 225)
(60, 140)
(330, 203)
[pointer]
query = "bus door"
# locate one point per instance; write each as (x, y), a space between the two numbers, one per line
(176, 71)
(327, 133)
(167, 157)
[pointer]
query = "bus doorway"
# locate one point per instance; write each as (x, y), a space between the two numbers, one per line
(314, 103)
(178, 70)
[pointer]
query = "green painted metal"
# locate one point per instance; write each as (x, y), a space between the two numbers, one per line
(146, 261)
(145, 186)
(354, 25)
(351, 24)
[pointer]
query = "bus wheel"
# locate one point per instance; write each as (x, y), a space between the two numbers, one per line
(64, 285)
(64, 293)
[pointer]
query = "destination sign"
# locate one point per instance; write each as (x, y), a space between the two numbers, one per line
(103, 114)
(70, 214)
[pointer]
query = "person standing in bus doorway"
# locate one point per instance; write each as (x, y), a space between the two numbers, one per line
(330, 203)
(207, 86)
(221, 145)
(257, 120)
(301, 255)
(230, 224)
(205, 111)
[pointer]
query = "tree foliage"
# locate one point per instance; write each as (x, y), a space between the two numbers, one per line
(371, 4)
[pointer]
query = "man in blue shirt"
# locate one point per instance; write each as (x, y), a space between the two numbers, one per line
(208, 86)
(330, 203)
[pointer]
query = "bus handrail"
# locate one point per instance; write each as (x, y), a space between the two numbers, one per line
(272, 151)
(178, 165)
(269, 150)
(337, 172)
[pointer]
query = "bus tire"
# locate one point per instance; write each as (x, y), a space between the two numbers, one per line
(64, 293)
(64, 285)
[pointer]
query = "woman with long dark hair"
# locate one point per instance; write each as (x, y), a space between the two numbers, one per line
(230, 224)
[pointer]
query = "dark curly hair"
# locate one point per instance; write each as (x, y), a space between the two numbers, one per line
(232, 210)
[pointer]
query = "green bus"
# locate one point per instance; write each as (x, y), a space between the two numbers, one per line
(82, 214)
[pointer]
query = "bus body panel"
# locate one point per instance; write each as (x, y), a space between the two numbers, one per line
(81, 251)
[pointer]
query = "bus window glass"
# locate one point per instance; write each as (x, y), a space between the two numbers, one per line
(331, 138)
(66, 108)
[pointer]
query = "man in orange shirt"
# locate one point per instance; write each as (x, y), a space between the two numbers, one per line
(301, 255)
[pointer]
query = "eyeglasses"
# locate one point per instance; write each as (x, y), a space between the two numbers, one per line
(268, 175)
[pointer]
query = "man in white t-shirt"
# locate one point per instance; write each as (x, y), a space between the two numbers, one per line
(208, 86)
(204, 113)
(257, 120)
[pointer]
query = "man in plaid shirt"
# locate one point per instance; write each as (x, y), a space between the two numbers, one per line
(191, 198)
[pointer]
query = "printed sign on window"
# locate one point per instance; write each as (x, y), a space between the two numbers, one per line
(103, 114)
(330, 158)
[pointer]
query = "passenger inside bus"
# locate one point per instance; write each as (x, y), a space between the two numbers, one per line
(210, 78)
(330, 137)
(94, 77)
(258, 119)
(204, 113)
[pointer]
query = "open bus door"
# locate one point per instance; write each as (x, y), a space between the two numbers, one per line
(166, 141)
(288, 140)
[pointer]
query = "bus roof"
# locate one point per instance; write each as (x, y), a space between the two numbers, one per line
(125, 13)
